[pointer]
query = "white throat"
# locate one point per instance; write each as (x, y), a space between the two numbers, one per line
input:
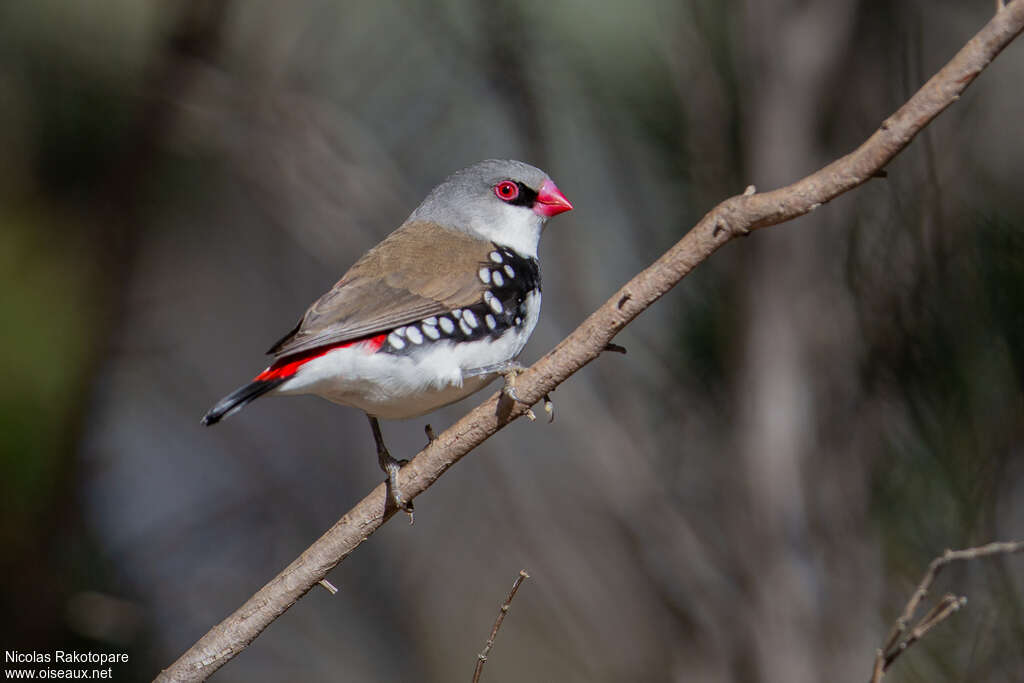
(518, 230)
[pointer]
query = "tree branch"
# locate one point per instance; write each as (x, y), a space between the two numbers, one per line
(896, 644)
(734, 217)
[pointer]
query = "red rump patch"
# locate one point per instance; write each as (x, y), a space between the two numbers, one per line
(289, 365)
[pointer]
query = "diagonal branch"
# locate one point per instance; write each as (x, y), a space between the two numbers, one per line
(734, 217)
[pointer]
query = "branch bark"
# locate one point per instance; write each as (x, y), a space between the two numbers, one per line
(733, 217)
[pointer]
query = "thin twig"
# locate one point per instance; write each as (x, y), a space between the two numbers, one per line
(482, 657)
(732, 218)
(949, 604)
(899, 638)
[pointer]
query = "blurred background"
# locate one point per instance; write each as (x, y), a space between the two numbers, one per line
(749, 495)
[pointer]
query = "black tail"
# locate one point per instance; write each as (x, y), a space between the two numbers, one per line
(237, 399)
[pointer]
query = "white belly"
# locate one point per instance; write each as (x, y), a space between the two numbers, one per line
(399, 386)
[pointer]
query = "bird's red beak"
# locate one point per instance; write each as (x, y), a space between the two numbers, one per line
(550, 201)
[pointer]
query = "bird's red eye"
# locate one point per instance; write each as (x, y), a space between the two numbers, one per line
(506, 190)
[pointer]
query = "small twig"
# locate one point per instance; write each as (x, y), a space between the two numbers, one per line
(482, 657)
(328, 586)
(949, 604)
(899, 639)
(937, 566)
(879, 670)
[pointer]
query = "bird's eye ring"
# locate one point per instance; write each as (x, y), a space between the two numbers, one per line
(506, 190)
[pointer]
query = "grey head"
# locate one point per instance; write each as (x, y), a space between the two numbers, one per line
(500, 200)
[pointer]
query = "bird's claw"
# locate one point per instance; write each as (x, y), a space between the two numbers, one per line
(509, 389)
(510, 373)
(391, 466)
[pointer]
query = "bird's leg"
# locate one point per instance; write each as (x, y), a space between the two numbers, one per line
(390, 466)
(431, 436)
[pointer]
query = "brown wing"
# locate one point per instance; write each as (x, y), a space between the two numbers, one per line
(396, 283)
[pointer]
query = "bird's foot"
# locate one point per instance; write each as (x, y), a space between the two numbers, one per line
(549, 408)
(510, 371)
(391, 466)
(431, 436)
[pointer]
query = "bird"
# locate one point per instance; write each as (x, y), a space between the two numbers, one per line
(435, 312)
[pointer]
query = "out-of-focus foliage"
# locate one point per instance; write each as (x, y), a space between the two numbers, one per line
(748, 495)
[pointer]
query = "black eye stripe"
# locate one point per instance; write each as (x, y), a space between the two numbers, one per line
(527, 196)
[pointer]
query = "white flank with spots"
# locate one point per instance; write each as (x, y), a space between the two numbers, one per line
(424, 379)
